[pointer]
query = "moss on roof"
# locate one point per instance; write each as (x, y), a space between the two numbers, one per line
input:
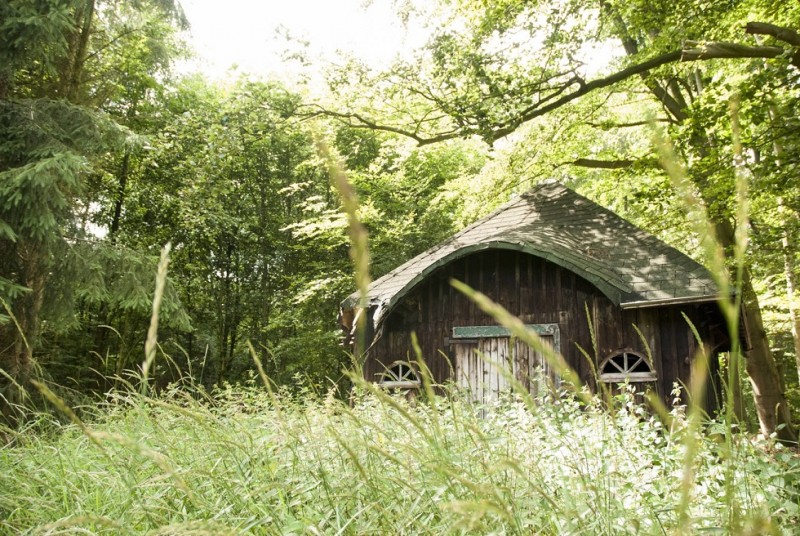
(555, 223)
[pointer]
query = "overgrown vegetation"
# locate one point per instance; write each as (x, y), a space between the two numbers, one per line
(105, 157)
(310, 463)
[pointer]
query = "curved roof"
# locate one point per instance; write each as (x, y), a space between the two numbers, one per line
(631, 267)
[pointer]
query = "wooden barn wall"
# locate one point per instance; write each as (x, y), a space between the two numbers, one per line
(539, 292)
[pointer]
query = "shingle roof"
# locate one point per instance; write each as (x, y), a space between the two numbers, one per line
(630, 266)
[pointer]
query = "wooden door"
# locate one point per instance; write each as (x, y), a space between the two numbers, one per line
(485, 366)
(531, 368)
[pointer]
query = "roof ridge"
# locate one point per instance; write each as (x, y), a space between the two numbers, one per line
(499, 210)
(558, 224)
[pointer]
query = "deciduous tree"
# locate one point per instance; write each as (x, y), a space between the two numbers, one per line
(494, 69)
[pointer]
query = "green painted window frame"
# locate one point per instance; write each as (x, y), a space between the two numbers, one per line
(491, 332)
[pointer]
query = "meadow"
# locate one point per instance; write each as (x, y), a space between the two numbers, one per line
(254, 461)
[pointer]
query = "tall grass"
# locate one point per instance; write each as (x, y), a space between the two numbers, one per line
(277, 464)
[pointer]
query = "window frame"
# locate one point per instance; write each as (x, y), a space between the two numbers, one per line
(625, 374)
(396, 381)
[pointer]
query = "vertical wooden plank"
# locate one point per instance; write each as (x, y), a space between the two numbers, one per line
(477, 264)
(647, 320)
(526, 290)
(547, 291)
(531, 295)
(524, 364)
(505, 281)
(500, 357)
(490, 389)
(457, 302)
(469, 280)
(462, 358)
(498, 360)
(442, 311)
(482, 377)
(489, 381)
(471, 373)
(515, 291)
(551, 373)
(459, 365)
(493, 367)
(557, 291)
(496, 259)
(465, 360)
(465, 351)
(539, 372)
(672, 366)
(531, 368)
(471, 384)
(684, 340)
(474, 377)
(502, 364)
(513, 358)
(658, 357)
(429, 314)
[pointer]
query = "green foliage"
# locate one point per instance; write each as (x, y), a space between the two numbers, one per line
(408, 206)
(279, 463)
(42, 164)
(60, 78)
(25, 28)
(226, 180)
(98, 139)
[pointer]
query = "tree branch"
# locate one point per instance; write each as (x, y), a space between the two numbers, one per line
(355, 120)
(697, 52)
(594, 163)
(722, 50)
(707, 51)
(601, 164)
(609, 125)
(787, 35)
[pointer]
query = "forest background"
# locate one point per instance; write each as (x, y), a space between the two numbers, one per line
(107, 154)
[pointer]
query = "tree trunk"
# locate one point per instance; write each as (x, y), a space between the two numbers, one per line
(121, 187)
(788, 272)
(768, 390)
(72, 71)
(18, 336)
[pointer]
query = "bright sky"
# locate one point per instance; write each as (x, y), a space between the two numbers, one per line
(247, 33)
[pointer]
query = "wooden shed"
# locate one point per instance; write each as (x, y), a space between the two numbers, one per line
(550, 257)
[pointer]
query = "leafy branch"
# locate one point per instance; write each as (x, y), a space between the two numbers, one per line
(566, 92)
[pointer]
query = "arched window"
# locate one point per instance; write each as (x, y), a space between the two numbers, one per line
(399, 375)
(626, 365)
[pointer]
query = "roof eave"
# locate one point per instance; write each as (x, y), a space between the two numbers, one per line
(642, 304)
(612, 292)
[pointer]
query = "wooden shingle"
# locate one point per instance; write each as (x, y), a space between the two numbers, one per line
(629, 266)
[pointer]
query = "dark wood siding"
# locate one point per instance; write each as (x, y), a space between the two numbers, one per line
(539, 292)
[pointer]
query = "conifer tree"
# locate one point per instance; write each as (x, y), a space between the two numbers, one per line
(52, 131)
